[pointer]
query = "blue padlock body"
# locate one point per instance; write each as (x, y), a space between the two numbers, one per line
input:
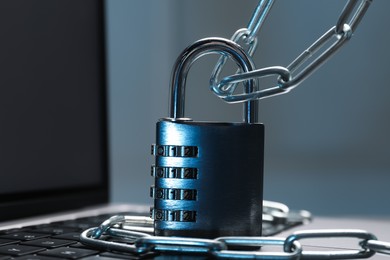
(208, 179)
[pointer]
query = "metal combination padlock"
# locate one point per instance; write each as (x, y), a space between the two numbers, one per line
(208, 175)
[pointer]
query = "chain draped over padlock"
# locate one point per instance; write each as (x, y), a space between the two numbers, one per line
(295, 73)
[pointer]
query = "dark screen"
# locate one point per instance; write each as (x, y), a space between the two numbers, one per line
(51, 96)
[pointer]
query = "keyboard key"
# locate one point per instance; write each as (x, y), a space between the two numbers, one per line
(79, 224)
(69, 236)
(69, 253)
(34, 257)
(96, 257)
(24, 236)
(14, 230)
(95, 221)
(4, 242)
(8, 231)
(56, 230)
(48, 242)
(4, 257)
(80, 245)
(118, 256)
(19, 250)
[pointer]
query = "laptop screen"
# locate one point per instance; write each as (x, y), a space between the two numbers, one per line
(52, 106)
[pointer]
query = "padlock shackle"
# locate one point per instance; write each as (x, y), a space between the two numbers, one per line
(197, 50)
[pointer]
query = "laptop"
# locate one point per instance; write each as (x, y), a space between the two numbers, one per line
(53, 122)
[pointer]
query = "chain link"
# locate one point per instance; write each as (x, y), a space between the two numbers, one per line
(336, 37)
(249, 38)
(256, 242)
(363, 252)
(377, 246)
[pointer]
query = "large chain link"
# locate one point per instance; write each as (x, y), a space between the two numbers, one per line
(294, 74)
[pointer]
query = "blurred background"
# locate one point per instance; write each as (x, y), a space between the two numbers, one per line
(327, 141)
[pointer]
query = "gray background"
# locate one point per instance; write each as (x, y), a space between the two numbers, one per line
(327, 141)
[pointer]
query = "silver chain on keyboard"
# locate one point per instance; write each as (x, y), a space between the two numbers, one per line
(136, 235)
(294, 74)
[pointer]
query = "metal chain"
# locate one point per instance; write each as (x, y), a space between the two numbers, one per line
(134, 235)
(141, 243)
(336, 37)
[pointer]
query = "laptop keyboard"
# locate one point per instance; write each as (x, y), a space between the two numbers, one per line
(54, 241)
(61, 240)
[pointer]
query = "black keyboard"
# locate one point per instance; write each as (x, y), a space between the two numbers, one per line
(54, 241)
